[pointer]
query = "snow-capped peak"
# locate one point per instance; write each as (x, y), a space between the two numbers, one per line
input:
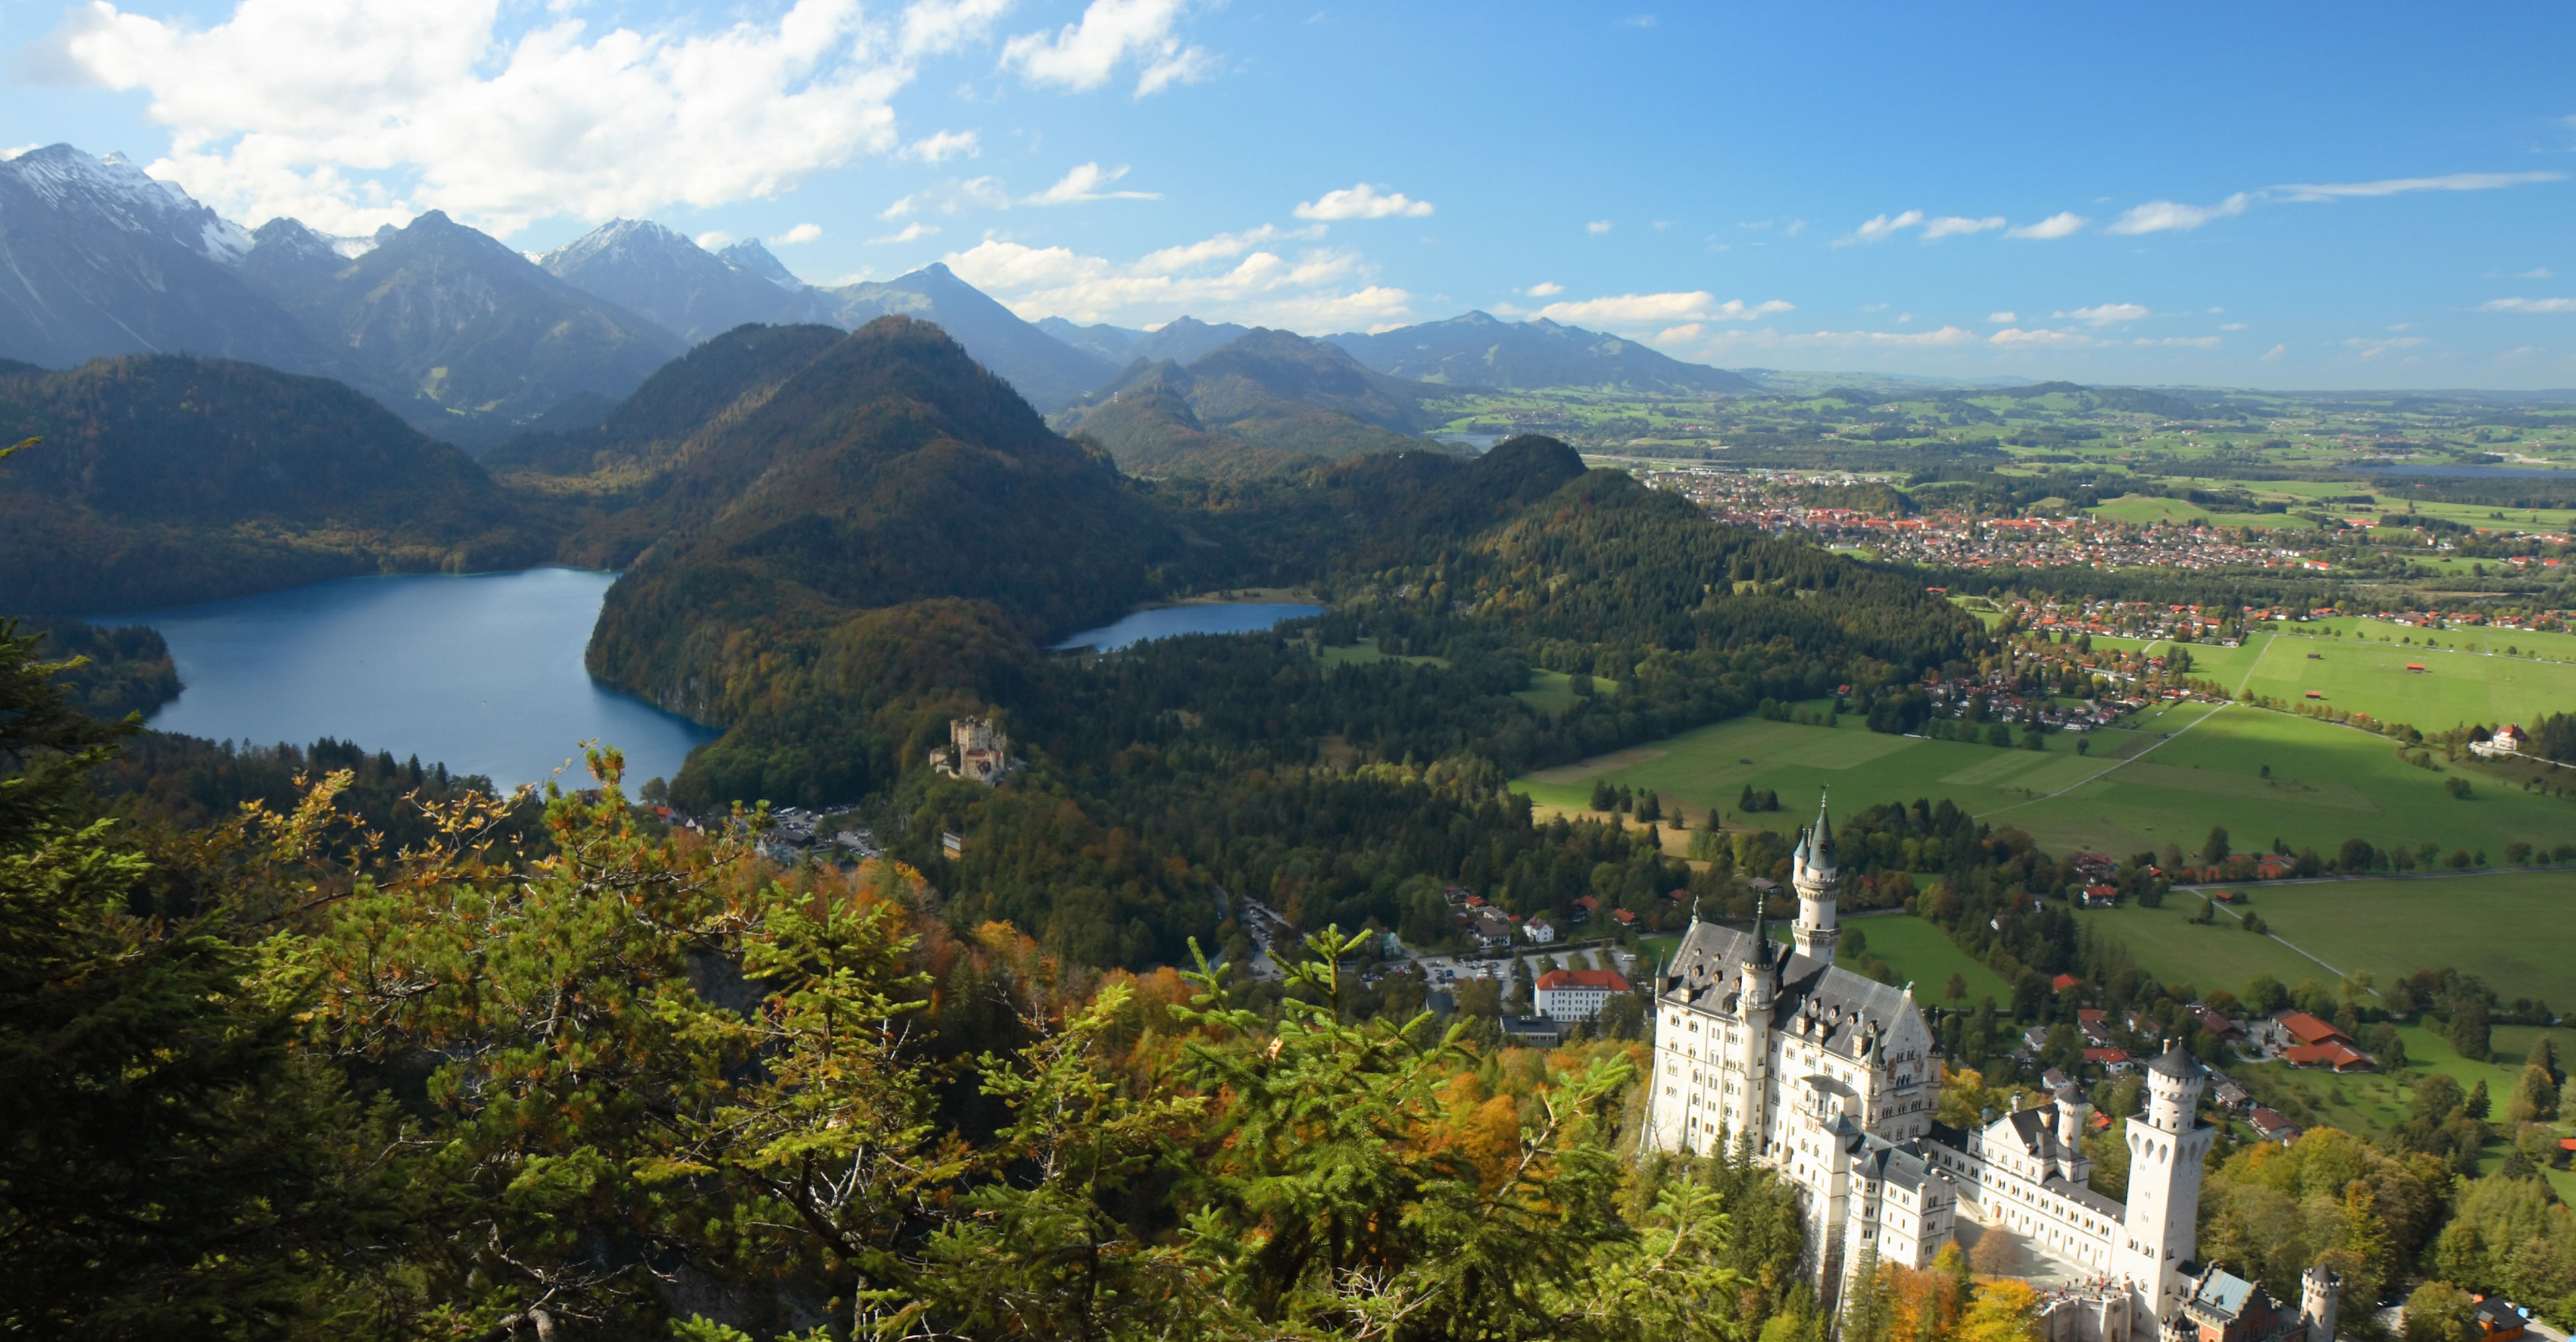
(127, 198)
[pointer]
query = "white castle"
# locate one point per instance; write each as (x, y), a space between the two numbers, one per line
(1831, 1079)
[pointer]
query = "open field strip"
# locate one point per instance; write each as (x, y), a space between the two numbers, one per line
(2325, 783)
(2457, 686)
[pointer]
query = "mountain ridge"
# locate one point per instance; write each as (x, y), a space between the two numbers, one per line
(1477, 348)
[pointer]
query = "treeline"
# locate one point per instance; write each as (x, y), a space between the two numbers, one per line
(127, 668)
(645, 1086)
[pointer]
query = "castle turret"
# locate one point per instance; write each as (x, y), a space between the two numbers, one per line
(1754, 1001)
(2074, 1110)
(2317, 1291)
(2166, 1147)
(1819, 884)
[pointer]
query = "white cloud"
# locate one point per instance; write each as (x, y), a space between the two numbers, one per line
(351, 115)
(945, 145)
(714, 239)
(8, 154)
(2060, 225)
(2536, 273)
(910, 232)
(2372, 349)
(1082, 55)
(953, 196)
(1643, 310)
(2105, 313)
(1084, 183)
(2158, 216)
(1883, 227)
(1951, 225)
(2042, 337)
(2528, 305)
(1947, 335)
(2458, 181)
(1597, 227)
(1229, 277)
(1362, 202)
(1544, 289)
(800, 233)
(1675, 335)
(2273, 355)
(2231, 326)
(2191, 342)
(2005, 317)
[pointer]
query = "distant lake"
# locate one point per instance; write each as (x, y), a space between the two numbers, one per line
(1243, 617)
(482, 673)
(2438, 468)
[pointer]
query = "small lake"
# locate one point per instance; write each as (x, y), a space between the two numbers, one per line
(1215, 617)
(2439, 468)
(481, 672)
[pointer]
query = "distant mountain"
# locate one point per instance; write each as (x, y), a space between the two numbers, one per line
(167, 479)
(648, 269)
(749, 257)
(457, 317)
(1044, 370)
(1481, 350)
(1183, 340)
(96, 258)
(1263, 404)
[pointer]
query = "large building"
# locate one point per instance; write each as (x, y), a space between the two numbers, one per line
(1831, 1078)
(1577, 994)
(978, 752)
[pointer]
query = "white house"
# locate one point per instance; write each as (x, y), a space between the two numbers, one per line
(1577, 994)
(1538, 930)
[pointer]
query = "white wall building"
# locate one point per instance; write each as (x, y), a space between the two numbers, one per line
(1831, 1079)
(1577, 994)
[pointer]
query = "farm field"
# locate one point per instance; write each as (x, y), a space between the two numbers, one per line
(1552, 692)
(2457, 686)
(1366, 651)
(2180, 771)
(2174, 949)
(2511, 929)
(2549, 646)
(2143, 509)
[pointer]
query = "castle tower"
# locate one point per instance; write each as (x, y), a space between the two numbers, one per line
(1818, 882)
(1754, 1002)
(2073, 1110)
(2317, 1290)
(2166, 1147)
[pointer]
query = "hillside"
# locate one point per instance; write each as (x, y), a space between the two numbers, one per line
(1481, 350)
(1263, 404)
(457, 318)
(628, 441)
(166, 479)
(889, 472)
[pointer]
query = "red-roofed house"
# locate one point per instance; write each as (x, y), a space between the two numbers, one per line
(2063, 982)
(2112, 1060)
(2340, 1056)
(1577, 994)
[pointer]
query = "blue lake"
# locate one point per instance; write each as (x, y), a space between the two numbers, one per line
(1243, 617)
(482, 673)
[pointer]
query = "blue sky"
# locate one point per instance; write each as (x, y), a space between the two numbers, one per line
(2283, 196)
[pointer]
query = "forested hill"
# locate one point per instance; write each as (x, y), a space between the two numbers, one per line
(890, 470)
(165, 479)
(724, 378)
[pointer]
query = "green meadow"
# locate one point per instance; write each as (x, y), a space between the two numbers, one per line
(2467, 679)
(2166, 779)
(2147, 509)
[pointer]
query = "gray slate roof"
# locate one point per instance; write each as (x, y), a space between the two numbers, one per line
(1837, 1005)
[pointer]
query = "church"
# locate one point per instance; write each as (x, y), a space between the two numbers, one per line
(1832, 1079)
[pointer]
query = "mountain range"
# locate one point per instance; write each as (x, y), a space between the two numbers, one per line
(1479, 349)
(1264, 403)
(473, 342)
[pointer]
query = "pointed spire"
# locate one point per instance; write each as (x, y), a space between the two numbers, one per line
(1816, 844)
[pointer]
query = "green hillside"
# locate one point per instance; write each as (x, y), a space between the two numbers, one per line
(166, 479)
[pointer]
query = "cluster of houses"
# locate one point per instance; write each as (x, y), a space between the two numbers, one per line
(796, 836)
(2001, 701)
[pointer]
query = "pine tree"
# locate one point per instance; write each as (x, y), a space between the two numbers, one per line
(2535, 1096)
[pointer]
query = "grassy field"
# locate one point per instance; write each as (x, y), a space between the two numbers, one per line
(2167, 780)
(1552, 692)
(2142, 509)
(1365, 651)
(2462, 681)
(2542, 643)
